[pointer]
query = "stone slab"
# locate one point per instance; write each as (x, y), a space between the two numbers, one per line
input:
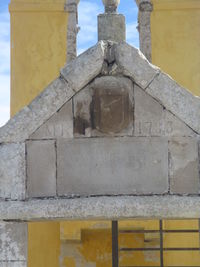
(103, 208)
(184, 166)
(12, 171)
(13, 241)
(104, 108)
(134, 65)
(41, 168)
(178, 100)
(152, 119)
(106, 166)
(13, 264)
(79, 72)
(60, 125)
(111, 27)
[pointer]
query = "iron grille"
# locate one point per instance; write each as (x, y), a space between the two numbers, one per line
(116, 249)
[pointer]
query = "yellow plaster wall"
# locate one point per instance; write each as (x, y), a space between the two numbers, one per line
(175, 34)
(38, 47)
(44, 244)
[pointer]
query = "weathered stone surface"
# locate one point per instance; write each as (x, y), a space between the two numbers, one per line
(41, 169)
(13, 264)
(152, 119)
(134, 65)
(59, 125)
(176, 99)
(138, 2)
(112, 166)
(82, 112)
(79, 72)
(13, 242)
(71, 8)
(12, 171)
(144, 21)
(108, 208)
(104, 107)
(112, 27)
(30, 118)
(184, 166)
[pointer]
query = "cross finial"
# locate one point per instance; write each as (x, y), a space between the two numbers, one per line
(111, 5)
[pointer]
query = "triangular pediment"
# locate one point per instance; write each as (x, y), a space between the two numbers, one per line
(111, 124)
(103, 59)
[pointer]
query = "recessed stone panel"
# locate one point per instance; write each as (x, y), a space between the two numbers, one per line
(152, 119)
(105, 166)
(184, 166)
(60, 125)
(41, 169)
(104, 108)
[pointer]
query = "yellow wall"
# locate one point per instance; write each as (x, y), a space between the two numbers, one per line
(38, 47)
(175, 29)
(38, 51)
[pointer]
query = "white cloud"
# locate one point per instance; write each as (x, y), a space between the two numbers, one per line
(88, 13)
(4, 114)
(132, 34)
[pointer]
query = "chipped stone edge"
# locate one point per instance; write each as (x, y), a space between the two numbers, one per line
(102, 208)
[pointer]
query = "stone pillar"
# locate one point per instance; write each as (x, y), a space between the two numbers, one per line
(71, 7)
(144, 26)
(13, 244)
(111, 25)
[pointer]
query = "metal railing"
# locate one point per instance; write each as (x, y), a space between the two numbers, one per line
(161, 249)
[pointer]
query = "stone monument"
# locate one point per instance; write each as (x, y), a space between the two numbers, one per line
(121, 140)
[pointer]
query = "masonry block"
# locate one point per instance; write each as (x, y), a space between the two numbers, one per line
(14, 264)
(41, 169)
(133, 64)
(58, 126)
(184, 166)
(106, 166)
(152, 119)
(13, 244)
(111, 27)
(12, 171)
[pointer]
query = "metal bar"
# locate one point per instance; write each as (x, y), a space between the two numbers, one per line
(161, 244)
(158, 249)
(158, 231)
(199, 234)
(115, 255)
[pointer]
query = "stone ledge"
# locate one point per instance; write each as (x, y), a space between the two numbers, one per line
(102, 208)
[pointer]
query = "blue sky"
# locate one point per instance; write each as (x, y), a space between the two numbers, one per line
(88, 11)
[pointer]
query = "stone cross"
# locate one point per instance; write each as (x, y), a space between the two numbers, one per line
(111, 5)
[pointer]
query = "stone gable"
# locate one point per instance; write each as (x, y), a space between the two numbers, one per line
(112, 127)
